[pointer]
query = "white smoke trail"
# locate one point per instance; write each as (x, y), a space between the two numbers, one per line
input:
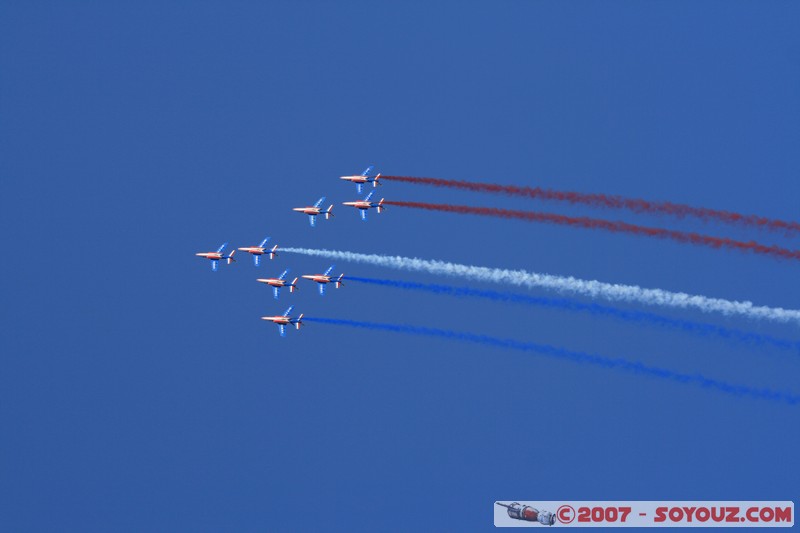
(590, 288)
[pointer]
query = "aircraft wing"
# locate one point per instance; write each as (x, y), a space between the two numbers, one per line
(255, 259)
(312, 219)
(358, 188)
(369, 169)
(284, 274)
(322, 289)
(286, 313)
(363, 214)
(222, 247)
(275, 292)
(319, 202)
(283, 329)
(330, 269)
(367, 197)
(214, 265)
(263, 242)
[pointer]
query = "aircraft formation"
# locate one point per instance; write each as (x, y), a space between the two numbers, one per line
(322, 280)
(315, 210)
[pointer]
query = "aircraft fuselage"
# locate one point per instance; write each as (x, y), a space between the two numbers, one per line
(307, 210)
(360, 204)
(274, 282)
(256, 250)
(319, 278)
(214, 256)
(285, 320)
(355, 179)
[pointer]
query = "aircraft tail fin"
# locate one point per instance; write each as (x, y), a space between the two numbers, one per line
(380, 207)
(328, 213)
(375, 182)
(338, 283)
(273, 252)
(230, 257)
(299, 321)
(293, 286)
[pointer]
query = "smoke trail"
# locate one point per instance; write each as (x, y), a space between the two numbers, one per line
(578, 357)
(652, 319)
(616, 227)
(612, 202)
(589, 288)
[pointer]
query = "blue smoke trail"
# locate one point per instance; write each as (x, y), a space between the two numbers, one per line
(641, 317)
(578, 357)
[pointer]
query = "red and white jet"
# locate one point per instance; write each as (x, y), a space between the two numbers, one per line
(279, 282)
(363, 178)
(217, 256)
(324, 279)
(259, 250)
(285, 320)
(315, 210)
(365, 204)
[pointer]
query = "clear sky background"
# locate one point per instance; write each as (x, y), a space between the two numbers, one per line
(140, 391)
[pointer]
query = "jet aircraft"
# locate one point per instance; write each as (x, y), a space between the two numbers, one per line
(324, 279)
(285, 320)
(363, 178)
(315, 210)
(217, 256)
(365, 204)
(279, 282)
(259, 250)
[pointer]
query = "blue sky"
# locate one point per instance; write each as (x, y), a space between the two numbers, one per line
(140, 391)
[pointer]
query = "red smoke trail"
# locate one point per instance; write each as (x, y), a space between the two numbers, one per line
(608, 225)
(614, 202)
